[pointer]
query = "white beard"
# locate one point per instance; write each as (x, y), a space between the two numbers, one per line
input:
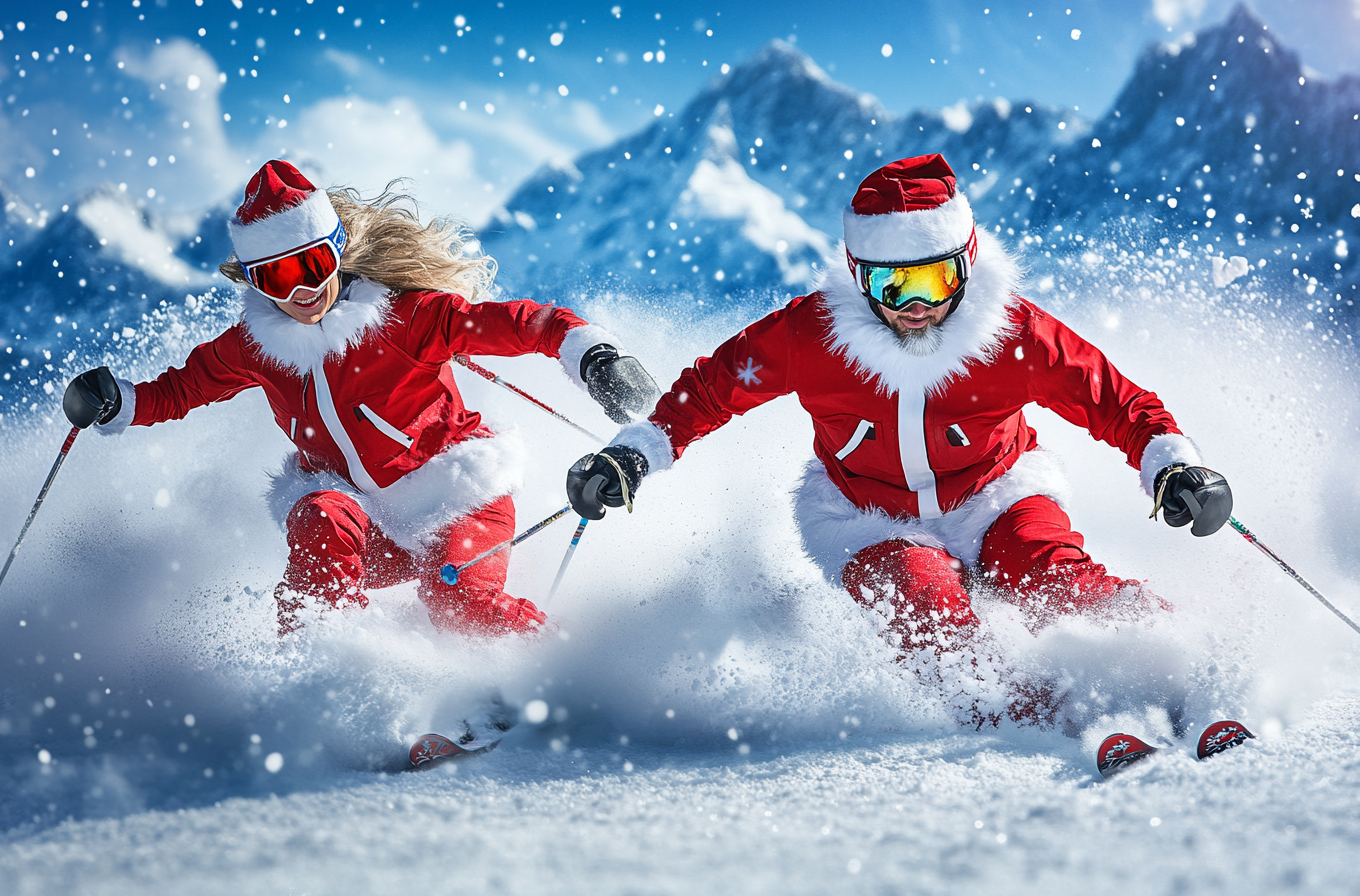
(923, 342)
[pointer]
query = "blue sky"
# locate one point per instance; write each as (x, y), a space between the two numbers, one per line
(180, 99)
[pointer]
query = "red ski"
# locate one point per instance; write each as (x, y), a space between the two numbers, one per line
(482, 731)
(430, 750)
(1222, 736)
(1118, 751)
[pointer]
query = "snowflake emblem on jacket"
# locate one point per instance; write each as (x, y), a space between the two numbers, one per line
(747, 374)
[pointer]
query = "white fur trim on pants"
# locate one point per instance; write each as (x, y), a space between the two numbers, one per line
(834, 530)
(411, 510)
(651, 440)
(125, 413)
(1164, 450)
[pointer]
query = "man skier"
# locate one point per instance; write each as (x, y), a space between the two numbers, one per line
(352, 312)
(915, 360)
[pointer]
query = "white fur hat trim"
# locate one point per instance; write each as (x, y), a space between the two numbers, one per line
(304, 223)
(909, 236)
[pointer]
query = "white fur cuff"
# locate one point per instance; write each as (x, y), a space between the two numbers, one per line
(1162, 451)
(650, 439)
(125, 413)
(580, 340)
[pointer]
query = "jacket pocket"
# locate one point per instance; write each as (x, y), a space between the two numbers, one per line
(364, 412)
(865, 430)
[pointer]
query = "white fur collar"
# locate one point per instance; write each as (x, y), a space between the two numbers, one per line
(361, 309)
(972, 333)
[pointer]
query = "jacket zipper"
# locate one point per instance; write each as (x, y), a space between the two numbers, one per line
(364, 412)
(865, 430)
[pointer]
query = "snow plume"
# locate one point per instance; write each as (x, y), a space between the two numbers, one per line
(695, 638)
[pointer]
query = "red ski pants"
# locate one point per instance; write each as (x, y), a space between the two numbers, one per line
(336, 551)
(1030, 555)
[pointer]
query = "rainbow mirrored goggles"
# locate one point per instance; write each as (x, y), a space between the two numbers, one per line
(305, 269)
(930, 282)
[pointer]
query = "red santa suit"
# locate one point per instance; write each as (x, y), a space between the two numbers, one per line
(393, 475)
(924, 466)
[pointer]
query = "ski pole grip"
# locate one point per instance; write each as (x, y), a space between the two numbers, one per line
(592, 490)
(1188, 496)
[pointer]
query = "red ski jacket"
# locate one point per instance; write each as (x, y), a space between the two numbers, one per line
(914, 452)
(367, 394)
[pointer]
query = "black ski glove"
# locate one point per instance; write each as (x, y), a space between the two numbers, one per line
(619, 383)
(610, 478)
(1186, 494)
(92, 397)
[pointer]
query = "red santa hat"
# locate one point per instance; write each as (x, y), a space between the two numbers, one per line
(282, 210)
(907, 211)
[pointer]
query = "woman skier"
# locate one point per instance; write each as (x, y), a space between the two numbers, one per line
(352, 312)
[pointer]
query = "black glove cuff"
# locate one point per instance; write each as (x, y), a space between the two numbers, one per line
(592, 358)
(632, 462)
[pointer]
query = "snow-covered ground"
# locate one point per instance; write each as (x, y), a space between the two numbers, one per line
(720, 719)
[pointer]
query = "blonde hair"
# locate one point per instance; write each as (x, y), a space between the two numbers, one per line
(386, 243)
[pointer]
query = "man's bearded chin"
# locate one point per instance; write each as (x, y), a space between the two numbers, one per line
(923, 341)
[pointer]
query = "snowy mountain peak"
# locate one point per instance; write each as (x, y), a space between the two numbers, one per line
(1224, 123)
(779, 66)
(743, 188)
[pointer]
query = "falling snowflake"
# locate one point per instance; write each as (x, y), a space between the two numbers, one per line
(747, 374)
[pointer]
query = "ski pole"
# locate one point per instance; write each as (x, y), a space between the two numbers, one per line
(449, 573)
(65, 449)
(1247, 534)
(566, 559)
(488, 375)
(591, 491)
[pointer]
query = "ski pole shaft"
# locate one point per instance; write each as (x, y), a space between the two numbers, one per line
(65, 449)
(1249, 536)
(566, 559)
(488, 375)
(450, 573)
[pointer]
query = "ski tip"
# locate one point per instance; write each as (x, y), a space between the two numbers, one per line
(1221, 736)
(431, 749)
(1118, 751)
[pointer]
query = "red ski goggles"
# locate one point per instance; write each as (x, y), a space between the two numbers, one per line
(930, 282)
(305, 269)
